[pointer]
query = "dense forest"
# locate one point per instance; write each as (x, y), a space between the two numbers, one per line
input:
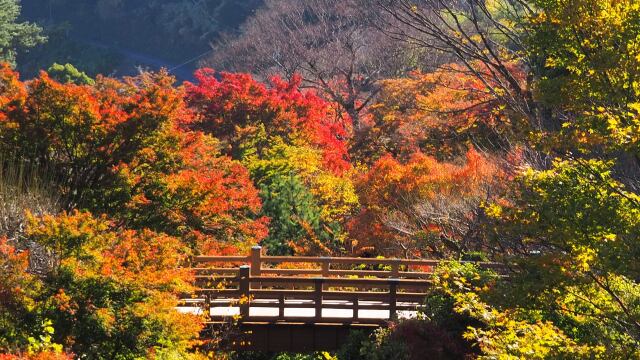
(457, 130)
(96, 35)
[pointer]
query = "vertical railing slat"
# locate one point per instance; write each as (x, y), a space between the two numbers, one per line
(356, 307)
(245, 283)
(393, 298)
(317, 298)
(281, 305)
(325, 269)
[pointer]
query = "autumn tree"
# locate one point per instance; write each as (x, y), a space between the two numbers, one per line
(281, 134)
(570, 232)
(588, 57)
(113, 292)
(491, 34)
(567, 227)
(118, 147)
(440, 113)
(24, 332)
(423, 207)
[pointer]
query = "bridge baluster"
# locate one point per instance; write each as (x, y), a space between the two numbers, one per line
(395, 268)
(393, 298)
(281, 306)
(244, 280)
(325, 268)
(318, 282)
(256, 260)
(356, 306)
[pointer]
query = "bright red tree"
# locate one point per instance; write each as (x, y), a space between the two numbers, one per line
(233, 107)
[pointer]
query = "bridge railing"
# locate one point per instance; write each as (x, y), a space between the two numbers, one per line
(318, 293)
(319, 266)
(320, 283)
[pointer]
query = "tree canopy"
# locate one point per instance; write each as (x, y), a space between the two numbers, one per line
(501, 130)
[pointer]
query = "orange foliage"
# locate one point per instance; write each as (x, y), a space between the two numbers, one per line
(12, 92)
(44, 355)
(15, 282)
(440, 113)
(115, 262)
(119, 147)
(91, 248)
(403, 202)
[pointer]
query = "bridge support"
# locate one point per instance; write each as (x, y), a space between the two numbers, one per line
(292, 337)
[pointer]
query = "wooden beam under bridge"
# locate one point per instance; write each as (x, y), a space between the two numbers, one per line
(291, 337)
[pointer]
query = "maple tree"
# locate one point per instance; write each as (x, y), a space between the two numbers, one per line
(118, 147)
(233, 108)
(113, 292)
(282, 135)
(439, 113)
(422, 207)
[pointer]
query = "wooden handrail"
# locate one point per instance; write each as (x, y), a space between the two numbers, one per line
(256, 257)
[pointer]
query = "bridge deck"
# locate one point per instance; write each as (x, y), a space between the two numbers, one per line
(332, 310)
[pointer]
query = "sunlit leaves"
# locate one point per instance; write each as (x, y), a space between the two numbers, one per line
(114, 290)
(422, 206)
(590, 51)
(580, 226)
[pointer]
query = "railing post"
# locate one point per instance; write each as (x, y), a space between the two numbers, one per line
(317, 298)
(244, 281)
(281, 305)
(393, 298)
(256, 260)
(325, 268)
(356, 307)
(395, 268)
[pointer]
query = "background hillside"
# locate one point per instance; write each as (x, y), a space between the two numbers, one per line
(116, 36)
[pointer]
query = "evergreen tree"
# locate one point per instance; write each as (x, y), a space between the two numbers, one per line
(15, 35)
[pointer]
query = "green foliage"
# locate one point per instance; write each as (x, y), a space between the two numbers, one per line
(589, 66)
(62, 48)
(178, 29)
(584, 226)
(377, 346)
(503, 333)
(68, 73)
(291, 210)
(316, 356)
(15, 36)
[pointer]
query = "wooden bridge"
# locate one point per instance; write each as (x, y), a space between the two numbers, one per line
(287, 303)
